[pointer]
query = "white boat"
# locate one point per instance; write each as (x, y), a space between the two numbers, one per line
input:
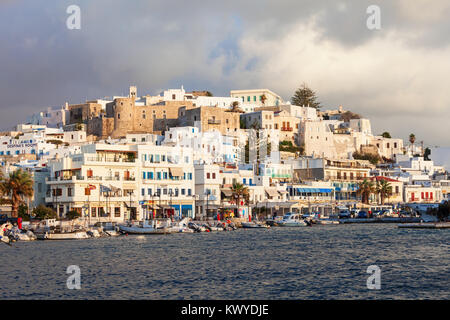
(112, 233)
(21, 235)
(144, 227)
(94, 233)
(292, 220)
(5, 233)
(250, 225)
(326, 221)
(76, 235)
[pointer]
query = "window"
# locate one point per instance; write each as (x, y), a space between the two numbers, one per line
(213, 175)
(69, 192)
(183, 192)
(158, 175)
(208, 176)
(87, 191)
(143, 192)
(93, 212)
(117, 212)
(189, 192)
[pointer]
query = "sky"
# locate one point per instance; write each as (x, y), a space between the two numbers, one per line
(396, 76)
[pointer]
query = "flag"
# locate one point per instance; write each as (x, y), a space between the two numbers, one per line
(91, 187)
(104, 189)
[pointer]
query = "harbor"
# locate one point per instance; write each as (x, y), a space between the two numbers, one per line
(319, 262)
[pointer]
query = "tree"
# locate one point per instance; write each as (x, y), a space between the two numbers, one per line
(23, 212)
(73, 214)
(41, 212)
(239, 191)
(263, 99)
(365, 189)
(426, 154)
(412, 139)
(18, 185)
(386, 135)
(348, 115)
(235, 107)
(373, 158)
(384, 189)
(304, 96)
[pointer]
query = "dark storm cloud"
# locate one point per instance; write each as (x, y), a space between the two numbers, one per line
(223, 45)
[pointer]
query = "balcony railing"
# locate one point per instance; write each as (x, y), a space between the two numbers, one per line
(103, 159)
(286, 129)
(211, 121)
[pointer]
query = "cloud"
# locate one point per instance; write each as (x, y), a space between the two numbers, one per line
(396, 76)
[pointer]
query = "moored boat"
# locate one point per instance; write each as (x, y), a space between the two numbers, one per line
(48, 235)
(252, 225)
(292, 220)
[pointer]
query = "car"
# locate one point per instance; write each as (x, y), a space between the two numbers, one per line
(354, 212)
(362, 214)
(377, 213)
(344, 214)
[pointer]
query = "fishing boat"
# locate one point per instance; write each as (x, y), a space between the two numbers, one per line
(252, 225)
(292, 220)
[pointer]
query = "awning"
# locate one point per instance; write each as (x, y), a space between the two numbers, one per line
(227, 192)
(176, 172)
(272, 192)
(326, 190)
(282, 191)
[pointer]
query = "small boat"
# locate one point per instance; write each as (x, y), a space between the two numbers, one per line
(251, 225)
(22, 235)
(112, 233)
(155, 227)
(326, 221)
(292, 220)
(48, 235)
(94, 233)
(6, 235)
(196, 227)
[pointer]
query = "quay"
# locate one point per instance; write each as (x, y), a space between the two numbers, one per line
(381, 220)
(426, 225)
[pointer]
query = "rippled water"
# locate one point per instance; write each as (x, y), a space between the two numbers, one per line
(323, 262)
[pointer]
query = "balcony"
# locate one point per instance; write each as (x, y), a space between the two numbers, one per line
(111, 159)
(286, 129)
(214, 121)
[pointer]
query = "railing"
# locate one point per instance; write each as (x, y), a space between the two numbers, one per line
(286, 129)
(102, 159)
(214, 121)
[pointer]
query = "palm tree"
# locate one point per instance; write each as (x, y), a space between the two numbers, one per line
(239, 191)
(384, 189)
(18, 185)
(365, 189)
(412, 139)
